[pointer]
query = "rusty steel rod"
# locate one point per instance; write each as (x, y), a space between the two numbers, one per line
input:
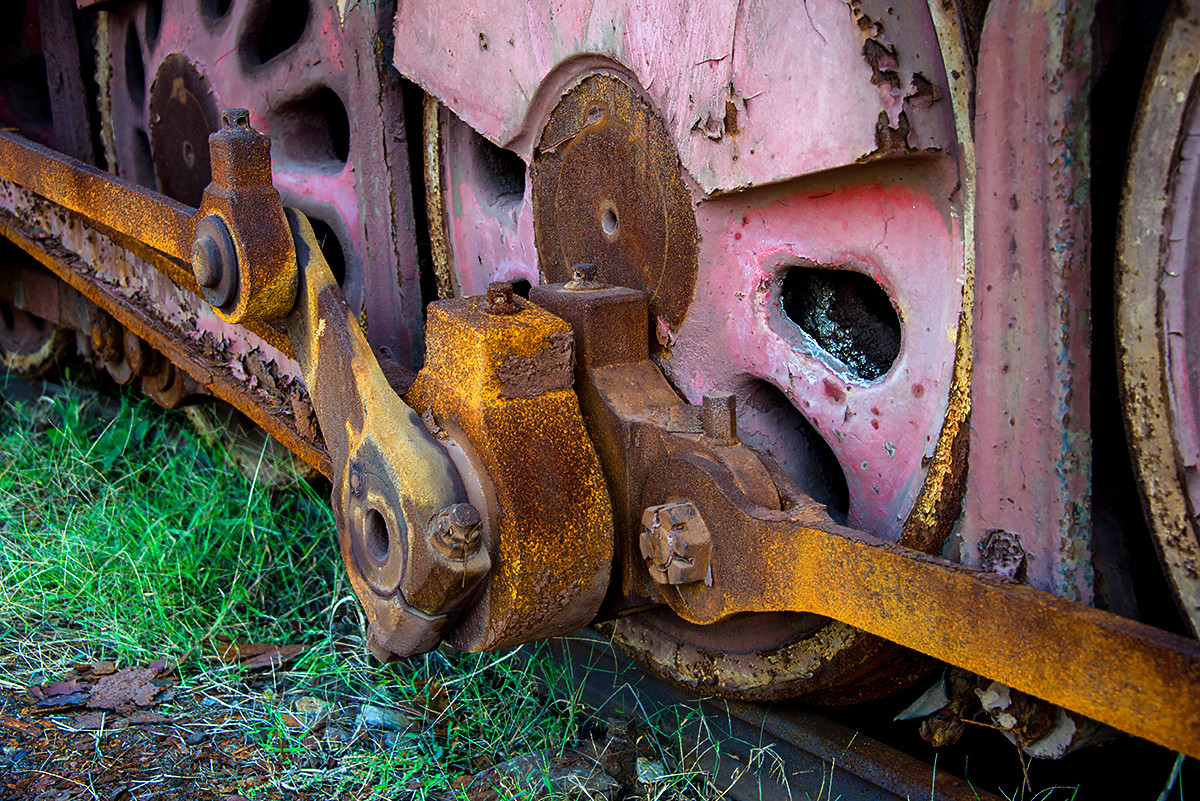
(1126, 674)
(216, 378)
(153, 219)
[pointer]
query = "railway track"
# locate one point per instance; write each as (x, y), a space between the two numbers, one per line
(758, 752)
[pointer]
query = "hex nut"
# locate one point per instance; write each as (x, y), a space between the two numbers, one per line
(676, 544)
(501, 299)
(445, 564)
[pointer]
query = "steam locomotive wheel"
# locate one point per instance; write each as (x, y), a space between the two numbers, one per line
(172, 65)
(1158, 300)
(29, 345)
(175, 64)
(829, 303)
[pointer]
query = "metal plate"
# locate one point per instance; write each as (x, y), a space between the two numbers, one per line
(182, 115)
(607, 190)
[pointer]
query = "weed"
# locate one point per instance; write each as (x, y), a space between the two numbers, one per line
(124, 536)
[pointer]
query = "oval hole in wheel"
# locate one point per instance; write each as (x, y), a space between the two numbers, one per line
(848, 314)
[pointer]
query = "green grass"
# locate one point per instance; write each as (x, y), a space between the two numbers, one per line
(123, 535)
(130, 528)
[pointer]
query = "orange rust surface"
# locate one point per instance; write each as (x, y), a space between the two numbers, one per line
(1126, 674)
(158, 221)
(242, 195)
(407, 478)
(551, 540)
(216, 378)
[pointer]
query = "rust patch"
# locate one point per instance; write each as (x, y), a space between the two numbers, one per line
(607, 190)
(891, 140)
(884, 60)
(924, 92)
(834, 391)
(881, 58)
(547, 370)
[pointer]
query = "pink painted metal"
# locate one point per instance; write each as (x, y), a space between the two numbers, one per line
(751, 93)
(490, 230)
(331, 110)
(1030, 458)
(890, 224)
(744, 109)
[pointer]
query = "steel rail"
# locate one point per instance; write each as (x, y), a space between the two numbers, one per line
(754, 752)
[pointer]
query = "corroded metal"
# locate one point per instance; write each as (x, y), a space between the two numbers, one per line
(205, 371)
(784, 554)
(675, 543)
(1157, 344)
(243, 198)
(1129, 675)
(1032, 318)
(332, 106)
(496, 388)
(607, 190)
(145, 216)
(741, 109)
(183, 113)
(635, 416)
(391, 479)
(435, 208)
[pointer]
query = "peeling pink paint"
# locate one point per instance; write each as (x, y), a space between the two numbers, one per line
(1030, 459)
(792, 76)
(891, 229)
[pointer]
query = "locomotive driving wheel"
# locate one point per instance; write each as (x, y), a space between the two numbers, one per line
(168, 67)
(1158, 300)
(826, 292)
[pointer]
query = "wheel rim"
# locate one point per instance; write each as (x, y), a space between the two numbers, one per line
(29, 345)
(1158, 287)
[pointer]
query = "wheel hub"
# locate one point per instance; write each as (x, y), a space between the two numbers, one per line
(183, 113)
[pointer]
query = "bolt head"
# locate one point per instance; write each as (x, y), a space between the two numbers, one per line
(464, 517)
(676, 544)
(215, 261)
(356, 480)
(206, 262)
(501, 299)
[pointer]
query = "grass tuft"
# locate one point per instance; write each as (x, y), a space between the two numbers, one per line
(119, 522)
(124, 536)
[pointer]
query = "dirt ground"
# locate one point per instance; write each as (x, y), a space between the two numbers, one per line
(101, 730)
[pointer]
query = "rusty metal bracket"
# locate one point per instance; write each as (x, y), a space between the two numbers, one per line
(414, 542)
(699, 530)
(496, 388)
(408, 537)
(165, 231)
(243, 257)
